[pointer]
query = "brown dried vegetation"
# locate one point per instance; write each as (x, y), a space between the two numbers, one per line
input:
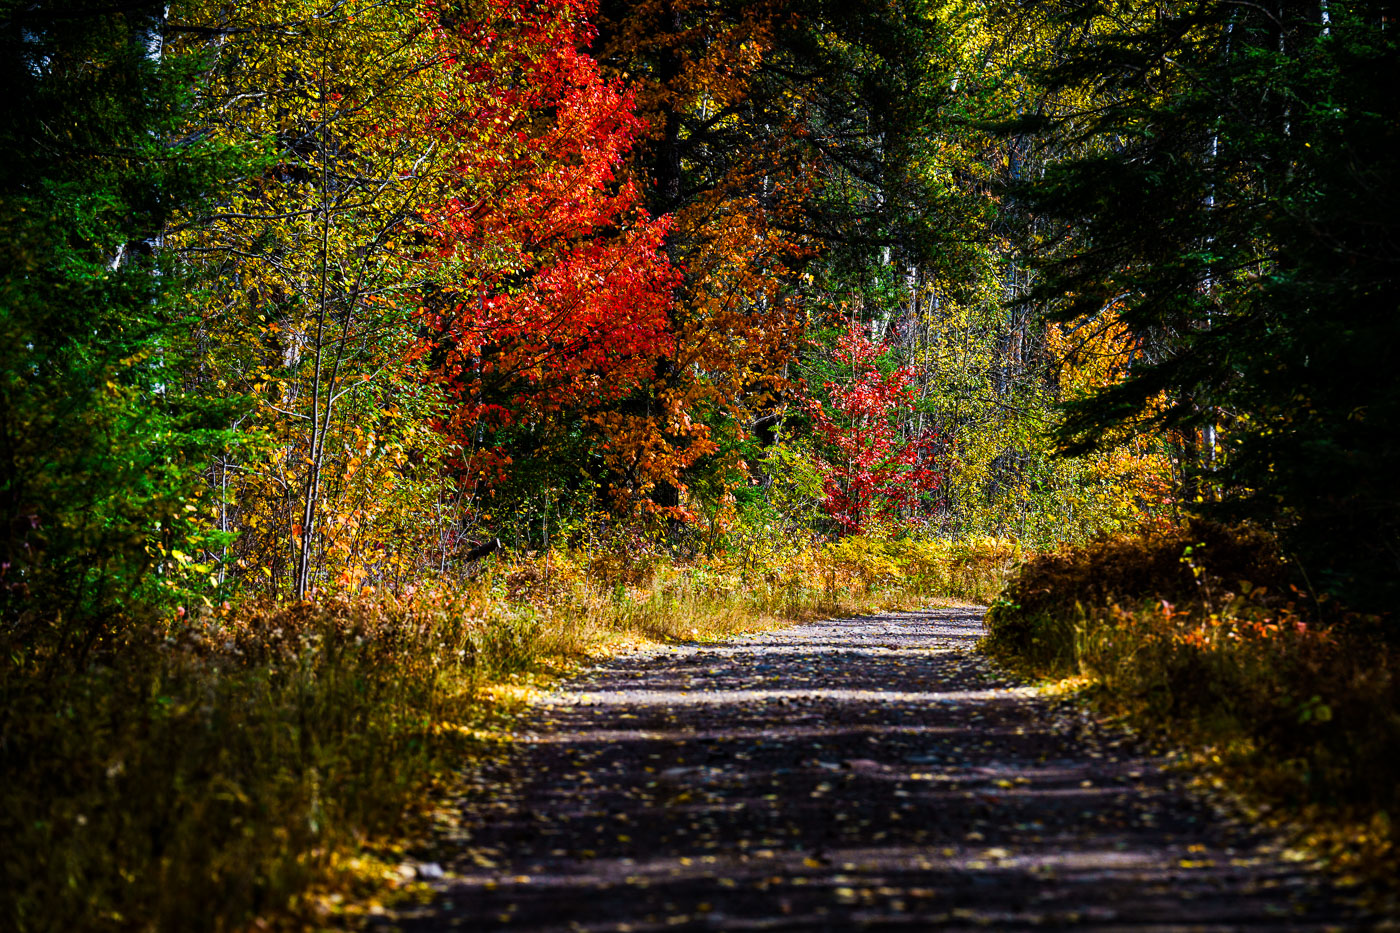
(1206, 634)
(262, 761)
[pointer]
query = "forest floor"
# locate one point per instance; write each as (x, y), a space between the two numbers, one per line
(852, 773)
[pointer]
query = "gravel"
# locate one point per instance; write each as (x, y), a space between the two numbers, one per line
(873, 772)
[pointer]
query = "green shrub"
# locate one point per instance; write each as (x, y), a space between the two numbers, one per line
(194, 783)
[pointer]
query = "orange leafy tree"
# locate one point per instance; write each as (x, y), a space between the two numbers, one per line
(723, 158)
(785, 137)
(1138, 469)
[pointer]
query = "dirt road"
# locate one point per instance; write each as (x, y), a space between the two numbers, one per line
(849, 774)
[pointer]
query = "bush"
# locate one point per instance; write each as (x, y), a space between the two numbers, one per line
(973, 569)
(1202, 632)
(195, 782)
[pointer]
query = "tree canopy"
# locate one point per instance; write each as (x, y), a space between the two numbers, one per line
(304, 297)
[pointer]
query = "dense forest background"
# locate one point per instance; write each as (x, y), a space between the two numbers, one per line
(338, 302)
(304, 299)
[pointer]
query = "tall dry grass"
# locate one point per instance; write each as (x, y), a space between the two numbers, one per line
(249, 762)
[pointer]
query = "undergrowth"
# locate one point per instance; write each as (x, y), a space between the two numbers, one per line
(256, 764)
(1206, 634)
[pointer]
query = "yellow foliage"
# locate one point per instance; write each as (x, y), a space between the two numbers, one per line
(307, 308)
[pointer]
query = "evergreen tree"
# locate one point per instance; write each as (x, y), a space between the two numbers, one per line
(1234, 196)
(101, 453)
(780, 132)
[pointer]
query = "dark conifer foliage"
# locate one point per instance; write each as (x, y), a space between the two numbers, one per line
(1238, 203)
(856, 96)
(101, 453)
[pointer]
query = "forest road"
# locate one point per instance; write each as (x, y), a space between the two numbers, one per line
(857, 773)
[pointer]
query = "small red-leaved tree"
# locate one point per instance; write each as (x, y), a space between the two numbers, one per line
(875, 471)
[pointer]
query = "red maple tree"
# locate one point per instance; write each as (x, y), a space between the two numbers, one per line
(554, 287)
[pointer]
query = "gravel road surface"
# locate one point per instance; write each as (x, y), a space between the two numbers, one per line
(858, 773)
